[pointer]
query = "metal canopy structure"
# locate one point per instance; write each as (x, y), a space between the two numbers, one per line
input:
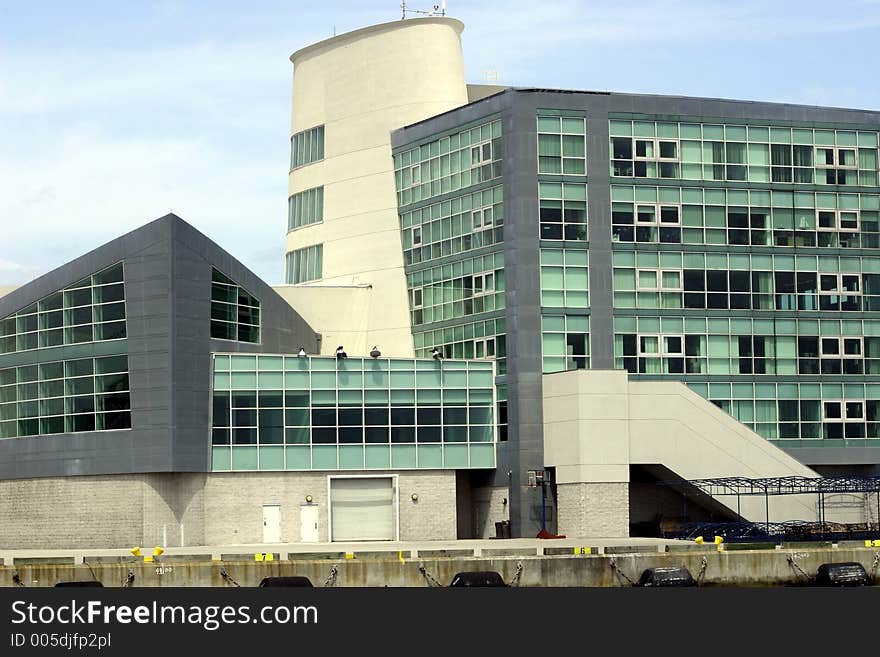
(767, 486)
(783, 485)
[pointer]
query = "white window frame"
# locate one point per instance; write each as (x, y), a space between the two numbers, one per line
(843, 414)
(484, 343)
(639, 287)
(481, 213)
(671, 354)
(484, 279)
(416, 230)
(420, 291)
(661, 345)
(837, 150)
(649, 354)
(659, 287)
(841, 354)
(657, 207)
(837, 221)
(839, 291)
(656, 157)
(480, 161)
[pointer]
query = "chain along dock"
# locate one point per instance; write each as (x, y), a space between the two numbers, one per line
(519, 562)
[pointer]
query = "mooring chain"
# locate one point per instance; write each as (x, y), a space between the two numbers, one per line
(228, 577)
(517, 575)
(704, 563)
(794, 564)
(428, 577)
(129, 579)
(331, 578)
(620, 573)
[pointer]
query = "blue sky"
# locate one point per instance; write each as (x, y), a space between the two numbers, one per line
(113, 114)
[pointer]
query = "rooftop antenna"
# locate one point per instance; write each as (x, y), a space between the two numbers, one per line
(438, 9)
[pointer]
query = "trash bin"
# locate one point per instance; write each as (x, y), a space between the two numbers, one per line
(502, 529)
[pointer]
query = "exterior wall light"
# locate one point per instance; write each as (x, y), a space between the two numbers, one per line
(414, 497)
(309, 499)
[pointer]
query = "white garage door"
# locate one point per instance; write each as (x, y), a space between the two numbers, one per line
(362, 509)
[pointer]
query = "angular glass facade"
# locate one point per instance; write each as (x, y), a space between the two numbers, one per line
(65, 396)
(90, 310)
(451, 212)
(451, 209)
(235, 314)
(321, 413)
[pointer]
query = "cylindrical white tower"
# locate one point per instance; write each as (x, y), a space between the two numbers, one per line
(349, 93)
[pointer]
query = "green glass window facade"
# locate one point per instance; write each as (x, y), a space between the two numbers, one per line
(753, 153)
(759, 282)
(563, 211)
(457, 225)
(745, 217)
(305, 208)
(451, 162)
(90, 310)
(235, 313)
(307, 147)
(562, 145)
(314, 413)
(451, 211)
(565, 342)
(760, 287)
(305, 264)
(65, 396)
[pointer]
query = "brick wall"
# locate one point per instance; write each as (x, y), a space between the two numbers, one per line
(598, 510)
(195, 509)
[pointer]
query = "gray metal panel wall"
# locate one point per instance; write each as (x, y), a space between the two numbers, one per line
(167, 287)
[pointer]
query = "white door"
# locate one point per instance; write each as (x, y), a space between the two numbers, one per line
(362, 509)
(271, 523)
(308, 523)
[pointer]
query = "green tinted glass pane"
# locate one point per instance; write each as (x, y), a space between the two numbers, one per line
(244, 458)
(298, 457)
(324, 457)
(220, 459)
(403, 456)
(482, 456)
(455, 456)
(351, 457)
(430, 456)
(271, 458)
(377, 457)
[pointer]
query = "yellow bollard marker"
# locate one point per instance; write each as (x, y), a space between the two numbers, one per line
(349, 555)
(698, 540)
(157, 551)
(136, 551)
